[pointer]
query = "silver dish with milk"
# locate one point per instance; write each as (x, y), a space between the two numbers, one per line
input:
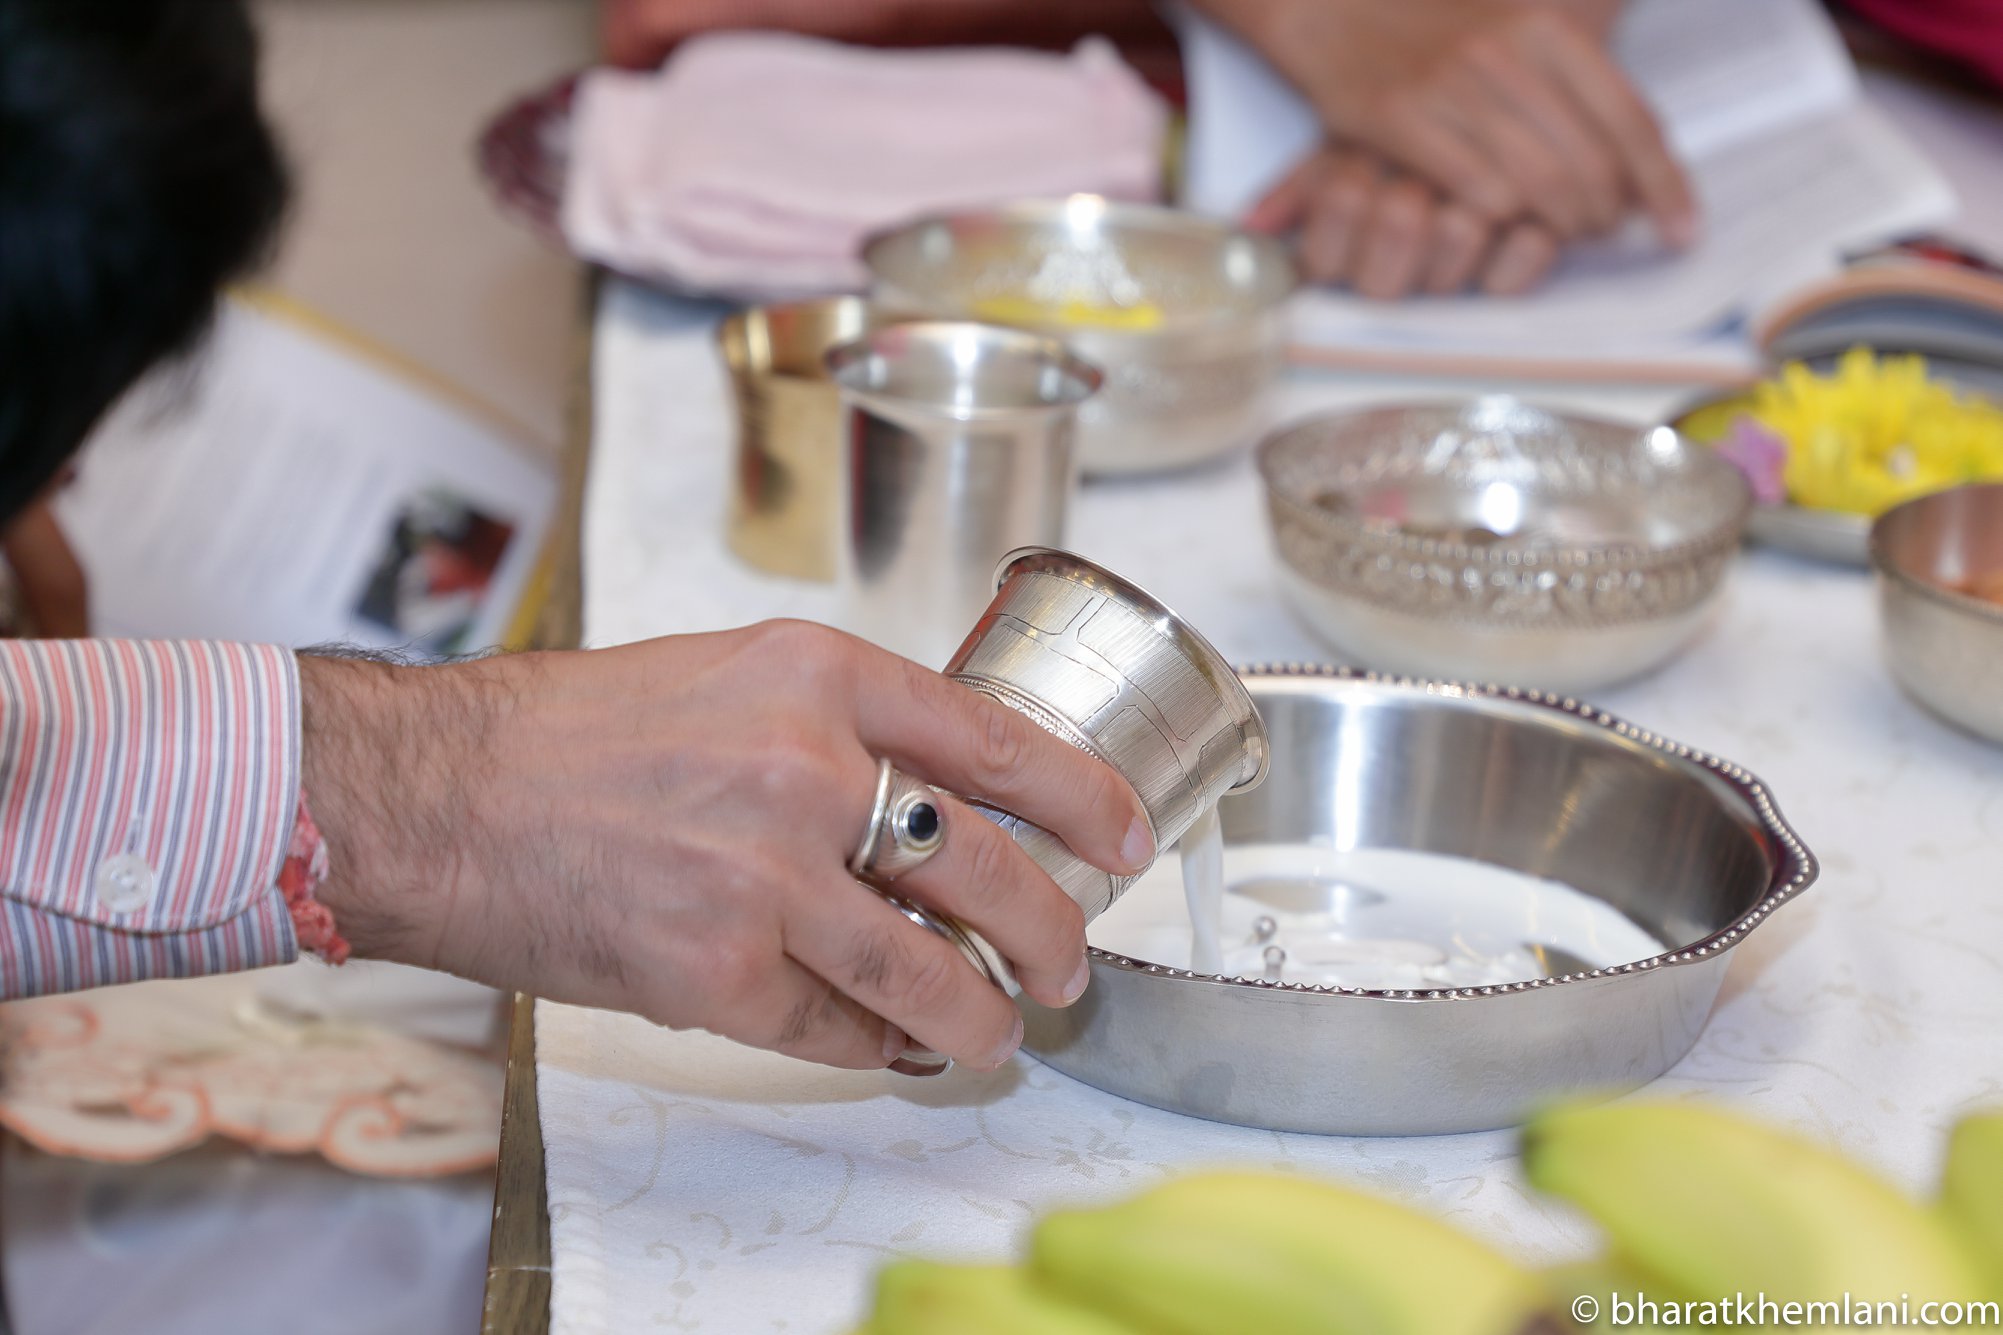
(1414, 845)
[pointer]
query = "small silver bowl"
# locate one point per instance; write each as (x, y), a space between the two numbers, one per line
(1943, 643)
(1690, 848)
(1494, 541)
(1192, 385)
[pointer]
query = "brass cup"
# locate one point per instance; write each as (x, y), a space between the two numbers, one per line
(783, 495)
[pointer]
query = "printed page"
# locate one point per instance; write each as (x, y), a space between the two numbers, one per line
(1720, 72)
(282, 487)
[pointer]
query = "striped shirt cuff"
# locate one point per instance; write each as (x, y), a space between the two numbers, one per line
(147, 792)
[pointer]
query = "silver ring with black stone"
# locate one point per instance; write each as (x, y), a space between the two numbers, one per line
(906, 826)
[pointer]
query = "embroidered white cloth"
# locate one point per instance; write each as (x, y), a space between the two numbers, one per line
(696, 1185)
(755, 163)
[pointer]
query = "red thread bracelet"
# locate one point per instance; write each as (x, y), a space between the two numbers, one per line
(304, 872)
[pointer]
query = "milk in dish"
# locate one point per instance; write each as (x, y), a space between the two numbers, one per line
(1362, 918)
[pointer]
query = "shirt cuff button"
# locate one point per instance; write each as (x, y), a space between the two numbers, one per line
(125, 883)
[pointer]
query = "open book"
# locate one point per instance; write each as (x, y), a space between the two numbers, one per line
(290, 485)
(1794, 168)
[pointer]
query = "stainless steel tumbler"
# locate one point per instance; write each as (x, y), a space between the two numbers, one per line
(956, 449)
(1099, 662)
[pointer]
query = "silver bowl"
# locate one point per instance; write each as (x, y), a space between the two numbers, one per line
(1690, 848)
(1193, 386)
(1944, 645)
(1495, 541)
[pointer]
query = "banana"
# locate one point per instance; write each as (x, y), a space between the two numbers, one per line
(1222, 1253)
(1971, 1191)
(1714, 1206)
(928, 1298)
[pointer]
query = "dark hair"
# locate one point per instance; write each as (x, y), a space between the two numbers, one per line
(137, 176)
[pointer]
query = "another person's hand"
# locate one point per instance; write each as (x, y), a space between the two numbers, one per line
(663, 828)
(1512, 107)
(50, 580)
(1362, 224)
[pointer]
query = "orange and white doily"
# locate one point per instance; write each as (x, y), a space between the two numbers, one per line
(127, 1074)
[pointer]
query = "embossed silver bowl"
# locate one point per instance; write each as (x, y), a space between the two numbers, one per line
(1182, 313)
(1491, 540)
(1691, 849)
(1943, 643)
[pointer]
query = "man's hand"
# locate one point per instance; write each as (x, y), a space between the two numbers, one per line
(1387, 234)
(664, 827)
(1512, 107)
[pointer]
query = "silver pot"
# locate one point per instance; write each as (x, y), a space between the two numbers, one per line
(1689, 847)
(1192, 383)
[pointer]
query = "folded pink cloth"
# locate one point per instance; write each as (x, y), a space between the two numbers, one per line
(755, 163)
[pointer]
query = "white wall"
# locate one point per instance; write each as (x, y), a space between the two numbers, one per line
(379, 102)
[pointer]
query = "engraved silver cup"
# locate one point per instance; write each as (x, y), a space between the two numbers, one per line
(1102, 664)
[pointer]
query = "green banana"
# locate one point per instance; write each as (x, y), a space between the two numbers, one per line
(1971, 1191)
(929, 1298)
(1222, 1253)
(1715, 1205)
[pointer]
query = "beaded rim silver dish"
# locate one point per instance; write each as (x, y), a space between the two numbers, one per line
(1795, 870)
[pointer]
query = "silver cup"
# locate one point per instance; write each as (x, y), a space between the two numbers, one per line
(782, 509)
(1100, 663)
(956, 448)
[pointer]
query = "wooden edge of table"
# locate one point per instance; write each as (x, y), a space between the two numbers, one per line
(517, 1295)
(518, 1255)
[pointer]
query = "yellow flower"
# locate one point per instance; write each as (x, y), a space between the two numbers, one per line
(1877, 432)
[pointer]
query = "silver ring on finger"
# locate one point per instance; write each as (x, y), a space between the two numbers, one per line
(907, 824)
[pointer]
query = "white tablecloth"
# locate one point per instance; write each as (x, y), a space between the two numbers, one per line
(701, 1186)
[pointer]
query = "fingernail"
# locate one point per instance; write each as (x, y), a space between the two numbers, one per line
(1138, 848)
(1076, 987)
(1680, 230)
(894, 1042)
(1008, 1049)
